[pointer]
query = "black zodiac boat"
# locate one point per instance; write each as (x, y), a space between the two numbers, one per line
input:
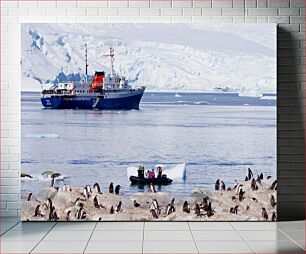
(161, 181)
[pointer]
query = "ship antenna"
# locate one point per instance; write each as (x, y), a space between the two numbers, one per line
(86, 64)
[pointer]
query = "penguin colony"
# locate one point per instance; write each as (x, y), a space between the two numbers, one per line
(242, 199)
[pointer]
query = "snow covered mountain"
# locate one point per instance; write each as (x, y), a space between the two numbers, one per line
(198, 57)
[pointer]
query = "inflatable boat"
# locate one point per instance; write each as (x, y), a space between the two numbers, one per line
(158, 181)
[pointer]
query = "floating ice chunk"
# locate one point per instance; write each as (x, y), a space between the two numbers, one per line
(45, 135)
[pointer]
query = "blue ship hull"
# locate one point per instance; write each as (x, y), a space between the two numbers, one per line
(91, 102)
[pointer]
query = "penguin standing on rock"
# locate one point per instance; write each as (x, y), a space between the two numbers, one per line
(37, 212)
(117, 189)
(68, 216)
(241, 193)
(111, 211)
(154, 213)
(136, 204)
(186, 207)
(86, 192)
(197, 210)
(222, 186)
(250, 174)
(217, 184)
(118, 208)
(272, 201)
(264, 213)
(97, 188)
(234, 209)
(254, 185)
(29, 197)
(273, 216)
(274, 185)
(111, 188)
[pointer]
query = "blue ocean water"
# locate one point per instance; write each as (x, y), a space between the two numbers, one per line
(217, 136)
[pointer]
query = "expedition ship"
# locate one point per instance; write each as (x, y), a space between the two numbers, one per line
(109, 91)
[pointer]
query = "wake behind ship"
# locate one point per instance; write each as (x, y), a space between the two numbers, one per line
(109, 91)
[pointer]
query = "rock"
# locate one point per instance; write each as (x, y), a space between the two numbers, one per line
(63, 200)
(46, 193)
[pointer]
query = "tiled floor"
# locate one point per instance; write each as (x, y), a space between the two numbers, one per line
(152, 237)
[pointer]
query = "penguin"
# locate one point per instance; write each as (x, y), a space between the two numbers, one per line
(258, 179)
(222, 186)
(50, 205)
(52, 182)
(229, 189)
(272, 201)
(169, 209)
(88, 189)
(233, 198)
(81, 214)
(246, 178)
(241, 193)
(250, 174)
(111, 211)
(152, 188)
(29, 197)
(111, 188)
(268, 177)
(209, 211)
(238, 189)
(247, 207)
(264, 213)
(235, 185)
(55, 217)
(37, 212)
(172, 202)
(254, 199)
(273, 216)
(217, 184)
(96, 188)
(197, 210)
(118, 207)
(117, 189)
(154, 214)
(186, 207)
(274, 185)
(54, 175)
(136, 204)
(254, 185)
(85, 192)
(234, 209)
(204, 203)
(68, 216)
(26, 175)
(261, 176)
(77, 202)
(96, 203)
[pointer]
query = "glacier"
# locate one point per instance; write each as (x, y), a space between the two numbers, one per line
(163, 57)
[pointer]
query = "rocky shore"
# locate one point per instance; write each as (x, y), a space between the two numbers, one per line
(71, 204)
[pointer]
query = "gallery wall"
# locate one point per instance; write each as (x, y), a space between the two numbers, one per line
(289, 14)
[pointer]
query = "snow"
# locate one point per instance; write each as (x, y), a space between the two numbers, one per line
(177, 57)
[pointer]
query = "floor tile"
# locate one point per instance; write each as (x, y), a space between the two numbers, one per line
(166, 226)
(111, 247)
(254, 225)
(296, 235)
(223, 247)
(216, 236)
(17, 247)
(69, 236)
(60, 247)
(9, 220)
(33, 226)
(169, 247)
(120, 226)
(77, 226)
(167, 236)
(291, 225)
(211, 226)
(276, 247)
(107, 236)
(273, 235)
(22, 236)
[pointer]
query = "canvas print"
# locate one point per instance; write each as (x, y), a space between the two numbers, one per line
(148, 122)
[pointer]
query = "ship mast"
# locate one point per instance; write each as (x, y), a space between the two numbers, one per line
(86, 64)
(111, 55)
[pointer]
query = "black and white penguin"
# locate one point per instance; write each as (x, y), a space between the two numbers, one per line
(204, 203)
(234, 209)
(111, 188)
(210, 211)
(97, 188)
(117, 189)
(258, 179)
(274, 185)
(235, 185)
(273, 216)
(246, 178)
(29, 197)
(261, 176)
(77, 202)
(86, 192)
(186, 207)
(111, 211)
(197, 210)
(50, 205)
(229, 189)
(254, 199)
(238, 189)
(152, 188)
(241, 193)
(222, 186)
(154, 213)
(52, 182)
(254, 185)
(272, 201)
(88, 188)
(250, 174)
(170, 209)
(233, 198)
(217, 184)
(68, 216)
(136, 204)
(55, 217)
(37, 212)
(268, 177)
(264, 213)
(81, 214)
(172, 201)
(118, 207)
(96, 202)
